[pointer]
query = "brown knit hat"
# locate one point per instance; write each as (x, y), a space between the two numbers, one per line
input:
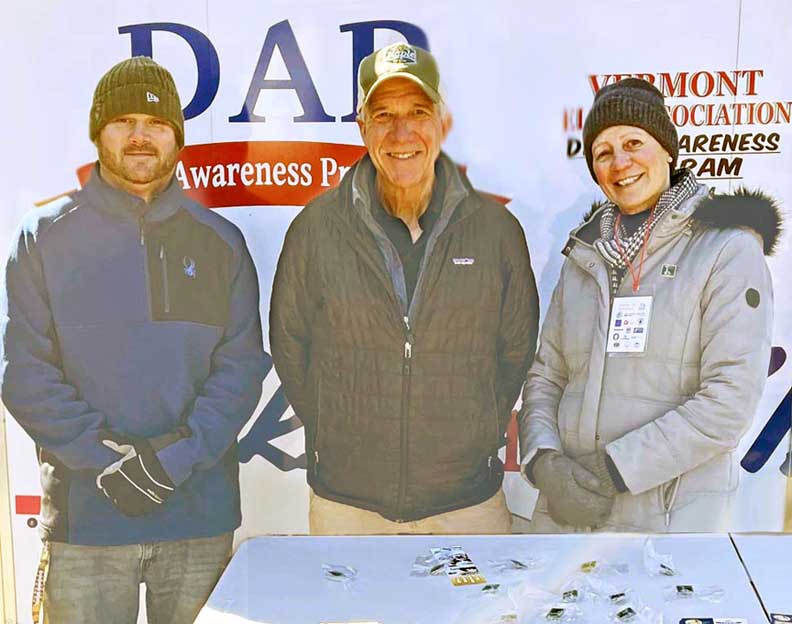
(630, 102)
(137, 85)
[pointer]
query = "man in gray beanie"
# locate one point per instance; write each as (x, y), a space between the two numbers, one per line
(132, 355)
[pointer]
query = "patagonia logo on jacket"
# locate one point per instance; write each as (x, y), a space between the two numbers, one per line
(463, 261)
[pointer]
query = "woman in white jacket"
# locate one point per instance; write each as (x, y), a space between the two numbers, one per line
(655, 347)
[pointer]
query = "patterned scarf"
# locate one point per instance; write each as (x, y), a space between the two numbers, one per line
(616, 255)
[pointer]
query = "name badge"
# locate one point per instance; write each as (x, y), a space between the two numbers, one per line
(629, 324)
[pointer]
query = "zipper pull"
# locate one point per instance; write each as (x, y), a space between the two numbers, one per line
(408, 340)
(142, 234)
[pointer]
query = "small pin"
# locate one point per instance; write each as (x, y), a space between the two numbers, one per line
(669, 271)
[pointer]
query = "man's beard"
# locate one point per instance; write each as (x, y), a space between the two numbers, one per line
(142, 171)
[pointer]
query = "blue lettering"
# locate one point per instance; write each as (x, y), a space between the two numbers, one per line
(206, 60)
(282, 36)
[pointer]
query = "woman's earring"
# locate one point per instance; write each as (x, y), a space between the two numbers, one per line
(670, 159)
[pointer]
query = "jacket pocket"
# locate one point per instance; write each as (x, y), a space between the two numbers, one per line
(190, 272)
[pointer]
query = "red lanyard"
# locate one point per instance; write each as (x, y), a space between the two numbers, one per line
(636, 279)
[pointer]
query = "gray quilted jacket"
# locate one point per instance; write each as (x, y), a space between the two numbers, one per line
(670, 418)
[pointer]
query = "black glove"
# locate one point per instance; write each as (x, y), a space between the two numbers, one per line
(568, 488)
(137, 484)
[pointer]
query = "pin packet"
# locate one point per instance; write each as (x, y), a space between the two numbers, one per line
(459, 568)
(657, 564)
(564, 613)
(708, 593)
(602, 568)
(521, 564)
(599, 587)
(551, 610)
(619, 597)
(339, 573)
(556, 614)
(428, 565)
(709, 620)
(489, 603)
(575, 590)
(635, 613)
(571, 595)
(625, 614)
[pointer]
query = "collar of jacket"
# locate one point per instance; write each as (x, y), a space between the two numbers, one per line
(127, 207)
(356, 210)
(456, 184)
(754, 210)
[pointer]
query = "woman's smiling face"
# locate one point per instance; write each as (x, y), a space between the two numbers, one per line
(631, 167)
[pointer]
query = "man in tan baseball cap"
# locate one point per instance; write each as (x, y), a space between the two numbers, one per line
(403, 319)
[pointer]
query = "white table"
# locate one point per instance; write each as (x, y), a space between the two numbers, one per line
(279, 580)
(768, 559)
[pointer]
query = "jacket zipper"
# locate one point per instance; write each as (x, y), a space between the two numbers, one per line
(409, 340)
(316, 432)
(497, 429)
(165, 290)
(669, 504)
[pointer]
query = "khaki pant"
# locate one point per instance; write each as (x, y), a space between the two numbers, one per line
(327, 517)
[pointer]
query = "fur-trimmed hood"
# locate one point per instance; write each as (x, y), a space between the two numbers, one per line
(742, 208)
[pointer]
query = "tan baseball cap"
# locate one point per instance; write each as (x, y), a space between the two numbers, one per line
(398, 60)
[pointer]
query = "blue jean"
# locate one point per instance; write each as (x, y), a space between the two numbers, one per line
(87, 584)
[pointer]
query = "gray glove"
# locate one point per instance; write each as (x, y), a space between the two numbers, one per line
(569, 490)
(610, 482)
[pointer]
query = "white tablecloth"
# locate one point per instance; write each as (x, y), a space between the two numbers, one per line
(768, 559)
(279, 580)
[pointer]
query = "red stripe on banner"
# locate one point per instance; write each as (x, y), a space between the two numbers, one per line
(259, 173)
(262, 173)
(28, 505)
(511, 464)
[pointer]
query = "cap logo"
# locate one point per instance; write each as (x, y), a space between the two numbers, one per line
(401, 54)
(150, 97)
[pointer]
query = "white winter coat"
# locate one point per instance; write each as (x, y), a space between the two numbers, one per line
(670, 418)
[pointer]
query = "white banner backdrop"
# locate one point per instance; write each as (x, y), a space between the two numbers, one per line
(519, 78)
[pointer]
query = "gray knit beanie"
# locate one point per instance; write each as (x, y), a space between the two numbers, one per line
(137, 85)
(630, 102)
